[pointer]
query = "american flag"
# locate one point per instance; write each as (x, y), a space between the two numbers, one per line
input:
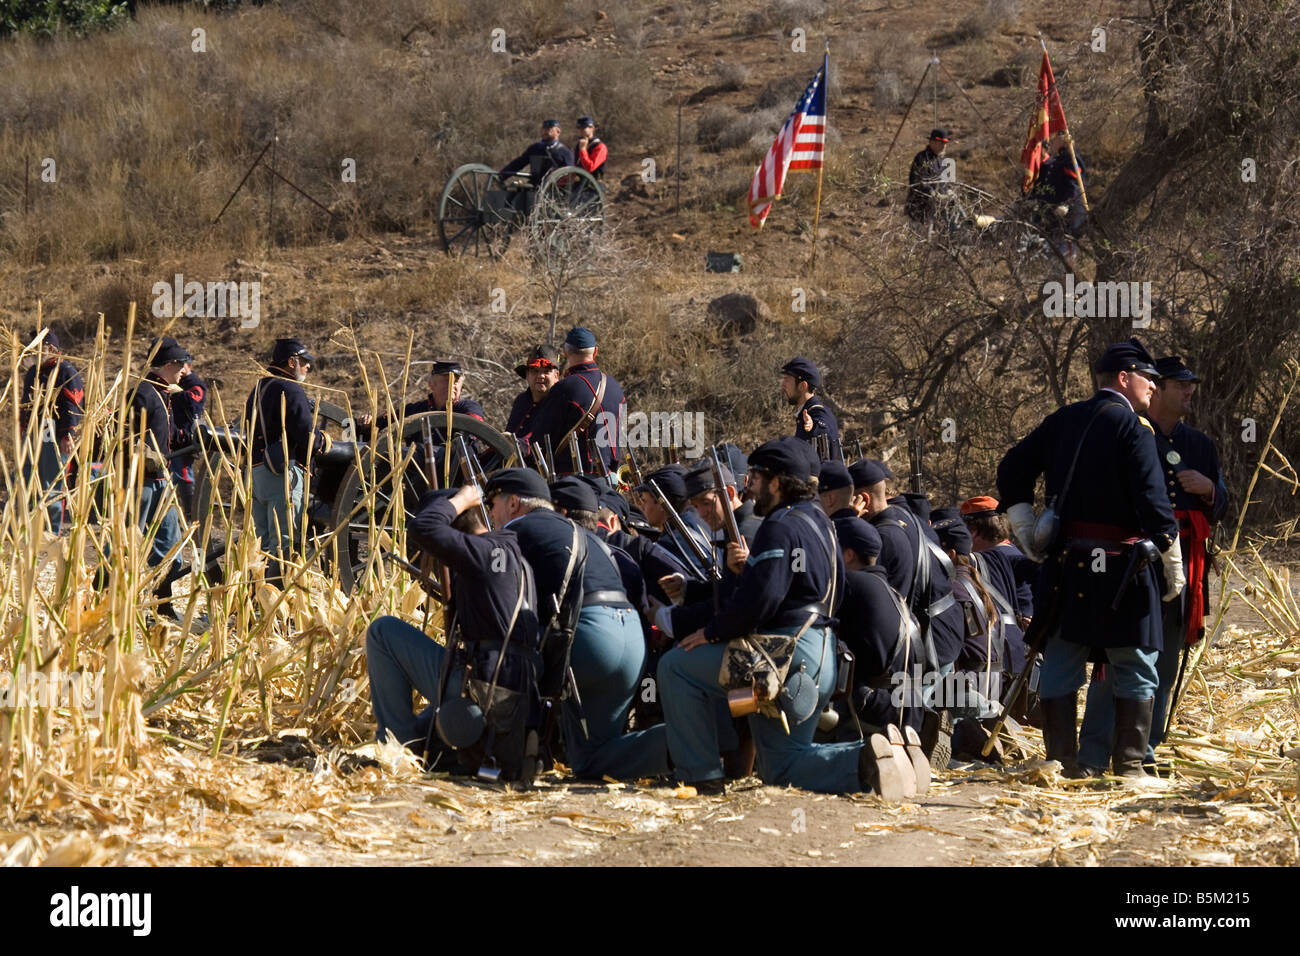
(799, 145)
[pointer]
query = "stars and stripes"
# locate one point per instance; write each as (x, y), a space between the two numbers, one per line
(799, 146)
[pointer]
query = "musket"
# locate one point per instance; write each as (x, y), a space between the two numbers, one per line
(859, 441)
(573, 453)
(521, 461)
(1040, 626)
(823, 445)
(592, 454)
(446, 460)
(730, 529)
(467, 468)
(918, 474)
(550, 459)
(705, 558)
(431, 587)
(636, 469)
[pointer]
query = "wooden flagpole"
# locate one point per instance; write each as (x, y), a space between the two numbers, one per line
(817, 212)
(1069, 137)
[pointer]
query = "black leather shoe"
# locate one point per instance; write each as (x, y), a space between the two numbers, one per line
(1132, 735)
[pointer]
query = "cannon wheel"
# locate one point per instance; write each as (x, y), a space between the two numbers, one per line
(569, 194)
(467, 223)
(492, 447)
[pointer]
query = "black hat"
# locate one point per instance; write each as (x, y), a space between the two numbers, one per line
(869, 471)
(580, 337)
(573, 494)
(833, 476)
(1130, 356)
(786, 455)
(671, 480)
(168, 350)
(859, 535)
(917, 503)
(700, 478)
(51, 340)
(518, 481)
(951, 528)
(548, 123)
(615, 503)
(801, 368)
(447, 367)
(940, 134)
(585, 121)
(1171, 367)
(286, 349)
(733, 458)
(541, 356)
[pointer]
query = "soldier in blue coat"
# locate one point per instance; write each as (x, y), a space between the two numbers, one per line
(1115, 500)
(541, 371)
(541, 157)
(587, 403)
(56, 375)
(1199, 498)
(800, 380)
(789, 586)
(488, 582)
(575, 572)
(445, 384)
(1007, 573)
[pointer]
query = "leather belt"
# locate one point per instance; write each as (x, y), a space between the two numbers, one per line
(1102, 532)
(605, 597)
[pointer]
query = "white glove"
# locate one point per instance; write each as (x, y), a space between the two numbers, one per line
(1021, 517)
(664, 620)
(674, 586)
(1175, 578)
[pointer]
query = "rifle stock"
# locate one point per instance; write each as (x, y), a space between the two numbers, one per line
(729, 527)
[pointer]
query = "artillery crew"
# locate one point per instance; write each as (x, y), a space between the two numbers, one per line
(591, 151)
(543, 156)
(541, 370)
(584, 411)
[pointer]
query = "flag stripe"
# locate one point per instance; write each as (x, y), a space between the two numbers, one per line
(798, 146)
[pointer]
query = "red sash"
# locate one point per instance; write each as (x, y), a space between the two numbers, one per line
(1194, 531)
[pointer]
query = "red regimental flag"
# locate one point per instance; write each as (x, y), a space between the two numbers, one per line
(1049, 118)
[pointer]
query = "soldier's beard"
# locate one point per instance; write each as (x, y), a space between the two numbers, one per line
(765, 500)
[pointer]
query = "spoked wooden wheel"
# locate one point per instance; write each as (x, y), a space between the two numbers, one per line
(375, 504)
(473, 215)
(569, 208)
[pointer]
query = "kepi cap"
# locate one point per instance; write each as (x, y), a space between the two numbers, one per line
(1130, 356)
(1171, 367)
(802, 368)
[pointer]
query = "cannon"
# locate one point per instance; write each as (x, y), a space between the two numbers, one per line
(478, 212)
(354, 488)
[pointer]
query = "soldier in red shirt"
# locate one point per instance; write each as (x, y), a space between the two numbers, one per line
(591, 152)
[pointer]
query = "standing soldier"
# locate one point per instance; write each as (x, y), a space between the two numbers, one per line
(925, 177)
(279, 417)
(1200, 499)
(445, 383)
(151, 429)
(58, 432)
(1099, 588)
(585, 404)
(187, 414)
(789, 587)
(591, 152)
(799, 383)
(540, 370)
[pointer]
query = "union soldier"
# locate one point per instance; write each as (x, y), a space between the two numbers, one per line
(495, 601)
(800, 380)
(1059, 195)
(541, 157)
(878, 629)
(540, 370)
(607, 655)
(1116, 501)
(591, 152)
(738, 462)
(1007, 573)
(187, 415)
(279, 417)
(59, 379)
(835, 489)
(587, 404)
(151, 426)
(671, 480)
(925, 178)
(788, 588)
(1200, 499)
(445, 384)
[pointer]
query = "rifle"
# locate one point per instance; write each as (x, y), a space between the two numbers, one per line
(1041, 625)
(823, 446)
(597, 458)
(431, 587)
(859, 441)
(918, 473)
(573, 453)
(550, 459)
(519, 452)
(637, 477)
(705, 558)
(467, 463)
(730, 529)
